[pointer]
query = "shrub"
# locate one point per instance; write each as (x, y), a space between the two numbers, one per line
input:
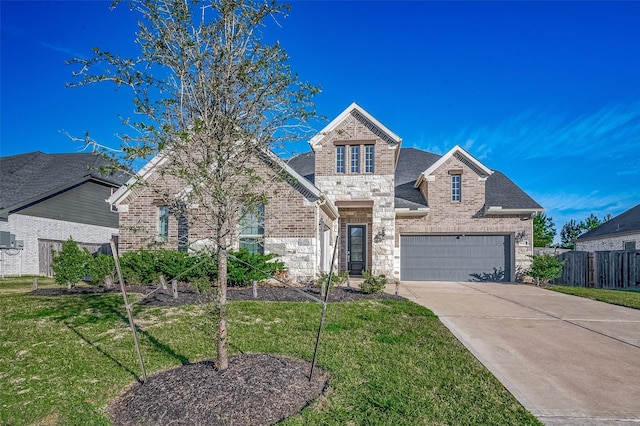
(139, 267)
(100, 267)
(337, 279)
(245, 267)
(545, 267)
(373, 284)
(70, 263)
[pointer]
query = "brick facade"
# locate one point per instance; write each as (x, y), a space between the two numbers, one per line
(609, 243)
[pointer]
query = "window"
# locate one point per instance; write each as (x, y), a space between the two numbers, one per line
(252, 230)
(340, 166)
(368, 158)
(355, 159)
(455, 187)
(163, 223)
(629, 245)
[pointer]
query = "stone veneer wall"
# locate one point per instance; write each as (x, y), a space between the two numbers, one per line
(298, 254)
(607, 244)
(32, 228)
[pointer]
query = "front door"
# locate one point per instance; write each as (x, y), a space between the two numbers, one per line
(356, 249)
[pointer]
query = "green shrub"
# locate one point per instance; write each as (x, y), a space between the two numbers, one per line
(100, 267)
(201, 284)
(545, 267)
(373, 284)
(245, 267)
(70, 263)
(337, 279)
(139, 267)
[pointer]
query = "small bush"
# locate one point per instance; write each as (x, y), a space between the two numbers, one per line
(545, 267)
(373, 284)
(337, 279)
(100, 267)
(70, 263)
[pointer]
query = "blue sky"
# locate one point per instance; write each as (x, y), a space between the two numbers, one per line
(546, 92)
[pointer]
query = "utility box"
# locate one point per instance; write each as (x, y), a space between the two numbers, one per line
(20, 244)
(7, 240)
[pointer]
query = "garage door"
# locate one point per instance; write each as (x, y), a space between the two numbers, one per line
(455, 258)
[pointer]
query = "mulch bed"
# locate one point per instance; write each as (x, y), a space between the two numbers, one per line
(187, 296)
(256, 389)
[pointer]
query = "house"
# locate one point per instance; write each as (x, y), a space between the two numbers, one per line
(406, 213)
(620, 233)
(47, 198)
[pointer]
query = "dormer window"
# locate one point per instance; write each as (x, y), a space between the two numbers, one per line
(355, 159)
(340, 160)
(368, 158)
(456, 187)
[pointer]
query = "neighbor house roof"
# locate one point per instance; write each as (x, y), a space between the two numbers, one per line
(625, 223)
(28, 178)
(500, 192)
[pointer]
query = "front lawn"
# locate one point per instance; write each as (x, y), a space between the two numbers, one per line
(629, 298)
(391, 362)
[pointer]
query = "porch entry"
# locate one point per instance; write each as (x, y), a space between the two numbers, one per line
(356, 249)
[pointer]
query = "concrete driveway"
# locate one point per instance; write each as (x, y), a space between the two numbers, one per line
(568, 360)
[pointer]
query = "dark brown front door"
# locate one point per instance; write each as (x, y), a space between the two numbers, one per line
(356, 249)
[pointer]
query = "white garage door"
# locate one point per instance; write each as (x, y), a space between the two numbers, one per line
(455, 258)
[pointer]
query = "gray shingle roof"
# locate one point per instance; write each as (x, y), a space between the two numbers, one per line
(500, 190)
(624, 223)
(26, 177)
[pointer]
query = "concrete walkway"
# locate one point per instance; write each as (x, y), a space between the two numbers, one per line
(568, 360)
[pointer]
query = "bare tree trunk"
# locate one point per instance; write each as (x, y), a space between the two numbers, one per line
(223, 356)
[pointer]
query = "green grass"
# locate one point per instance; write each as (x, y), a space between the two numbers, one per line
(63, 359)
(629, 298)
(24, 284)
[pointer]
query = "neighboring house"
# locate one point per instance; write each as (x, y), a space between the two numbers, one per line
(47, 198)
(406, 213)
(620, 233)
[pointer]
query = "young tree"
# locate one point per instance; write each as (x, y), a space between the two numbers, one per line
(215, 99)
(544, 230)
(569, 233)
(545, 267)
(70, 264)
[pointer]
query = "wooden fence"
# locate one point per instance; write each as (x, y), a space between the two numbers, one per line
(47, 247)
(601, 269)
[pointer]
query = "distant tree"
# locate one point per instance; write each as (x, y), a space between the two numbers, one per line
(606, 217)
(590, 223)
(569, 233)
(213, 98)
(544, 230)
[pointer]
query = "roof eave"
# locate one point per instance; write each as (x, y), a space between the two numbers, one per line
(407, 212)
(498, 210)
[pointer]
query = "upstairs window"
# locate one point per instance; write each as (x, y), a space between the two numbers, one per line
(340, 160)
(355, 159)
(368, 158)
(455, 187)
(163, 223)
(252, 230)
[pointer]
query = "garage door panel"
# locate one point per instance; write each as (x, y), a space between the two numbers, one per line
(455, 257)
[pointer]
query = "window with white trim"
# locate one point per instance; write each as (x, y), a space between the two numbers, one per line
(340, 160)
(369, 152)
(355, 159)
(252, 230)
(163, 223)
(456, 181)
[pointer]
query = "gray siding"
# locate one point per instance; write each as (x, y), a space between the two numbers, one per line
(455, 258)
(84, 203)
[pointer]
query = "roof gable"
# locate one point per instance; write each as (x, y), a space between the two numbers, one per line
(293, 178)
(363, 116)
(463, 156)
(625, 223)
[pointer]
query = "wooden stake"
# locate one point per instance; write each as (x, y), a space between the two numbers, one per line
(34, 286)
(255, 289)
(163, 282)
(174, 288)
(128, 308)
